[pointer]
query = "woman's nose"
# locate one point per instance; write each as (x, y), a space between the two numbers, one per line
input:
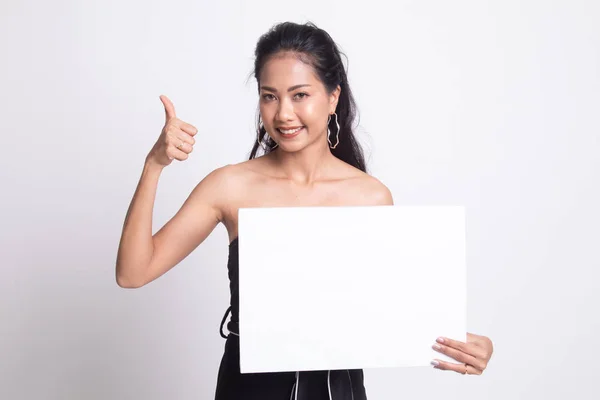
(285, 111)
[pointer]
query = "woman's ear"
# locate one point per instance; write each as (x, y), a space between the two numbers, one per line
(333, 99)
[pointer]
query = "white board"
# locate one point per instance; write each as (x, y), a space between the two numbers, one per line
(349, 287)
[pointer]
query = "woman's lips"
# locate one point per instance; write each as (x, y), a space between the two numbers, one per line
(290, 135)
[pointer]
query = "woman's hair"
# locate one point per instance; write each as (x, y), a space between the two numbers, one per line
(316, 48)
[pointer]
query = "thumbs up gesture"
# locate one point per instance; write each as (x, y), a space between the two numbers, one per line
(176, 140)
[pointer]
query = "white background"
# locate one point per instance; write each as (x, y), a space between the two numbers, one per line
(493, 105)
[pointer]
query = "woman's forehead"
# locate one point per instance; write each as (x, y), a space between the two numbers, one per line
(282, 72)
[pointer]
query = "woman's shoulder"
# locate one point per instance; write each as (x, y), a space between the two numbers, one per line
(367, 188)
(377, 193)
(242, 172)
(232, 176)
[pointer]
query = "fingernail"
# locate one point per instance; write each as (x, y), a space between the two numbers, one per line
(437, 346)
(433, 362)
(440, 339)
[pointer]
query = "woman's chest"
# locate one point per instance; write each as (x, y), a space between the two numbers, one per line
(287, 195)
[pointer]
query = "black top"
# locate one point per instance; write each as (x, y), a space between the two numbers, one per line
(234, 278)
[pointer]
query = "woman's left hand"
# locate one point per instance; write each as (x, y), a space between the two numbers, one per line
(474, 354)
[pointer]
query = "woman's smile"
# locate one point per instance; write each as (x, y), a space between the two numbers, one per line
(290, 133)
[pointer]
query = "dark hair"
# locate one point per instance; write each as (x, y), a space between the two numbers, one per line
(315, 47)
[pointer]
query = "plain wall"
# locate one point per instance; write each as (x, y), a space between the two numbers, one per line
(493, 105)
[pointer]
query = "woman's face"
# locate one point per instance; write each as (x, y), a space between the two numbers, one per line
(294, 104)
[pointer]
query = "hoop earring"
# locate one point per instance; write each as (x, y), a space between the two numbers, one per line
(337, 135)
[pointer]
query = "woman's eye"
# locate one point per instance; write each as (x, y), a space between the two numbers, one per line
(270, 97)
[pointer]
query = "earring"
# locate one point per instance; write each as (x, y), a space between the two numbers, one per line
(337, 135)
(260, 142)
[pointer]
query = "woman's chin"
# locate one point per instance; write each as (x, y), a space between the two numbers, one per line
(290, 147)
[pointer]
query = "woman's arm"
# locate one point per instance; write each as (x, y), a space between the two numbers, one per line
(143, 257)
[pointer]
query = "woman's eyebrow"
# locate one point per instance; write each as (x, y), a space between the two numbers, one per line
(271, 89)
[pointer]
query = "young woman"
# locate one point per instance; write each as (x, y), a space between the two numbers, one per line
(311, 158)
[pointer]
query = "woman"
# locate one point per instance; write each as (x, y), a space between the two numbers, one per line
(311, 158)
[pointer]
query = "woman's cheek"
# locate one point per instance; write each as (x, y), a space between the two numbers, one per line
(308, 113)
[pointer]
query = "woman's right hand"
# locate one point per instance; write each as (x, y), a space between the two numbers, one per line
(176, 139)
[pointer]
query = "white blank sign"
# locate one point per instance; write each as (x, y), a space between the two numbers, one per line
(326, 288)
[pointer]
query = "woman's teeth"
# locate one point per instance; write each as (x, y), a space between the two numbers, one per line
(290, 131)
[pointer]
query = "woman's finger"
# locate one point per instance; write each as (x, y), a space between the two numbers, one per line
(187, 128)
(457, 355)
(185, 147)
(177, 137)
(446, 366)
(460, 368)
(462, 346)
(175, 153)
(182, 145)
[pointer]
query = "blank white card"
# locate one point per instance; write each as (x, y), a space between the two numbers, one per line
(325, 288)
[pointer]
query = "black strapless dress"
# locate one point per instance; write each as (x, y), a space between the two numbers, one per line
(303, 385)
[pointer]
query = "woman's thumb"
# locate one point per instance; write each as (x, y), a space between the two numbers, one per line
(169, 108)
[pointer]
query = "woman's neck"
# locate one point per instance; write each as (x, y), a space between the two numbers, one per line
(305, 166)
